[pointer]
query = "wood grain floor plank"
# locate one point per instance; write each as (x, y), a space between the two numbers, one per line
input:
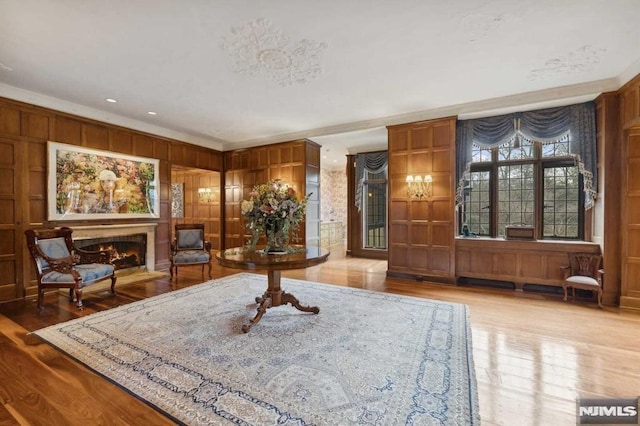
(534, 354)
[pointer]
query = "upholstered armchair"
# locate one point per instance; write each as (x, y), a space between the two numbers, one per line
(59, 264)
(190, 248)
(583, 272)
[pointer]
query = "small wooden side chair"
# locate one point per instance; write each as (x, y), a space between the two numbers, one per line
(190, 248)
(59, 264)
(583, 272)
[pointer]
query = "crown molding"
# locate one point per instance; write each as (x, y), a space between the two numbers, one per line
(631, 72)
(558, 96)
(50, 102)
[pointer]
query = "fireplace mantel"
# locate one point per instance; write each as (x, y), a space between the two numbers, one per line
(98, 231)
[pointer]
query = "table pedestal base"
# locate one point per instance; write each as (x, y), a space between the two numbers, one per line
(274, 296)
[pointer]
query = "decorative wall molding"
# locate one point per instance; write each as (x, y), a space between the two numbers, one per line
(260, 49)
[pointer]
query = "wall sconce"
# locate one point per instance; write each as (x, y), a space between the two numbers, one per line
(419, 187)
(205, 195)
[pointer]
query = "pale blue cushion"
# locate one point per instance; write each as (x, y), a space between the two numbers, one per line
(55, 248)
(191, 256)
(90, 273)
(190, 239)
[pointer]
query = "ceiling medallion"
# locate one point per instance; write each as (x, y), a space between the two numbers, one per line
(258, 48)
(582, 59)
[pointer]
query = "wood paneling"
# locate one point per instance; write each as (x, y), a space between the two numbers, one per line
(630, 288)
(629, 194)
(11, 199)
(24, 132)
(209, 213)
(519, 262)
(295, 162)
(421, 231)
(609, 169)
(533, 353)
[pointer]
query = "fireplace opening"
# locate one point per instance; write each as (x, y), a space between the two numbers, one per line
(127, 251)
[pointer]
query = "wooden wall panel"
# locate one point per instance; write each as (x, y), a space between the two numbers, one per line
(630, 286)
(67, 131)
(195, 210)
(9, 121)
(422, 229)
(121, 141)
(142, 146)
(518, 262)
(629, 192)
(95, 136)
(24, 132)
(35, 125)
(295, 162)
(11, 197)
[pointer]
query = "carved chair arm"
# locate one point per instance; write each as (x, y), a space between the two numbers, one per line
(600, 276)
(174, 246)
(63, 266)
(207, 246)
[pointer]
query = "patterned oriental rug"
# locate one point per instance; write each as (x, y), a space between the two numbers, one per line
(367, 358)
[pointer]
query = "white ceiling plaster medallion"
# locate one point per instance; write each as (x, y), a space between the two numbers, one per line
(582, 59)
(260, 49)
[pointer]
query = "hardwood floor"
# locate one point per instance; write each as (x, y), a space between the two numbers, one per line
(534, 354)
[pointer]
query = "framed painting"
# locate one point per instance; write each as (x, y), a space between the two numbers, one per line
(177, 200)
(89, 184)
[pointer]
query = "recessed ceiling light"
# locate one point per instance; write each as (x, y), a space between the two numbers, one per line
(324, 156)
(152, 113)
(113, 101)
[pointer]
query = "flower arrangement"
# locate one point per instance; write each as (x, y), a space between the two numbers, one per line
(274, 209)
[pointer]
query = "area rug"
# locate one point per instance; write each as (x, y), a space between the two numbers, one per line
(367, 358)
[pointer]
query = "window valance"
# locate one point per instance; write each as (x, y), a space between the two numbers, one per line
(372, 162)
(577, 122)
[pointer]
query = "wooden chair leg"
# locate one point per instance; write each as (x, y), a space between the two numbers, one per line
(209, 270)
(78, 292)
(113, 284)
(600, 298)
(202, 271)
(564, 287)
(40, 299)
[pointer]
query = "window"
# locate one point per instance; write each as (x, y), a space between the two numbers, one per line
(524, 183)
(374, 213)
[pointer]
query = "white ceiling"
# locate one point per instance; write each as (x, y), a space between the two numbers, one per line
(230, 74)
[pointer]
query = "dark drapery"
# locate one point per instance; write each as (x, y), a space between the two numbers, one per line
(577, 122)
(372, 162)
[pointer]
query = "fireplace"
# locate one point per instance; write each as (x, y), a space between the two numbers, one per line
(127, 251)
(135, 243)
